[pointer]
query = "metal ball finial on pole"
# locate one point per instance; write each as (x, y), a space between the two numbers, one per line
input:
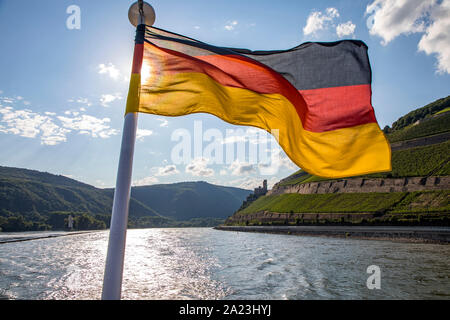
(140, 13)
(141, 9)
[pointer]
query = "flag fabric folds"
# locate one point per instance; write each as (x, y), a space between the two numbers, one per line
(317, 95)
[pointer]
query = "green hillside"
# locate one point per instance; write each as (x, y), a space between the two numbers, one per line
(33, 200)
(432, 125)
(27, 191)
(428, 207)
(38, 176)
(188, 200)
(26, 194)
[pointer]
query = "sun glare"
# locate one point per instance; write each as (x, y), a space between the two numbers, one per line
(145, 72)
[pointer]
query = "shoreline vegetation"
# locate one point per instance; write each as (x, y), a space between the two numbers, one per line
(25, 237)
(58, 221)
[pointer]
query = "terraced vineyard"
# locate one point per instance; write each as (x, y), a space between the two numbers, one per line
(429, 126)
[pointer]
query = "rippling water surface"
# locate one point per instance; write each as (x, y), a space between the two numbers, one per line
(203, 263)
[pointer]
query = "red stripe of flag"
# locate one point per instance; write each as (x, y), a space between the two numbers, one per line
(338, 107)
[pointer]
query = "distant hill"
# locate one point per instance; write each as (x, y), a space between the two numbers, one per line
(187, 200)
(38, 176)
(416, 191)
(34, 200)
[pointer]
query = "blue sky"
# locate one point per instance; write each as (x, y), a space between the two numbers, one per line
(63, 91)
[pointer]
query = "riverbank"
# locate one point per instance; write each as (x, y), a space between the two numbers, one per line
(411, 234)
(9, 237)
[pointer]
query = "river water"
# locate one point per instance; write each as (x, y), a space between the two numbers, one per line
(202, 263)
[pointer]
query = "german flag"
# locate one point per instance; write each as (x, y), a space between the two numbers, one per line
(318, 95)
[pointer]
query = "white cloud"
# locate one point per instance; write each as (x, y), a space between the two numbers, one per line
(89, 125)
(239, 168)
(7, 100)
(278, 160)
(142, 133)
(332, 12)
(71, 113)
(231, 25)
(52, 134)
(145, 181)
(84, 101)
(250, 135)
(50, 128)
(319, 21)
(234, 139)
(199, 167)
(250, 183)
(164, 122)
(106, 99)
(109, 70)
(24, 123)
(28, 124)
(101, 184)
(166, 171)
(345, 29)
(391, 18)
(436, 39)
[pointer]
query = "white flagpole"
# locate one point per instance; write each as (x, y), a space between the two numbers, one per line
(112, 282)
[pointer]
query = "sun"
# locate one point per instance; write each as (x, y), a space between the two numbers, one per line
(146, 72)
